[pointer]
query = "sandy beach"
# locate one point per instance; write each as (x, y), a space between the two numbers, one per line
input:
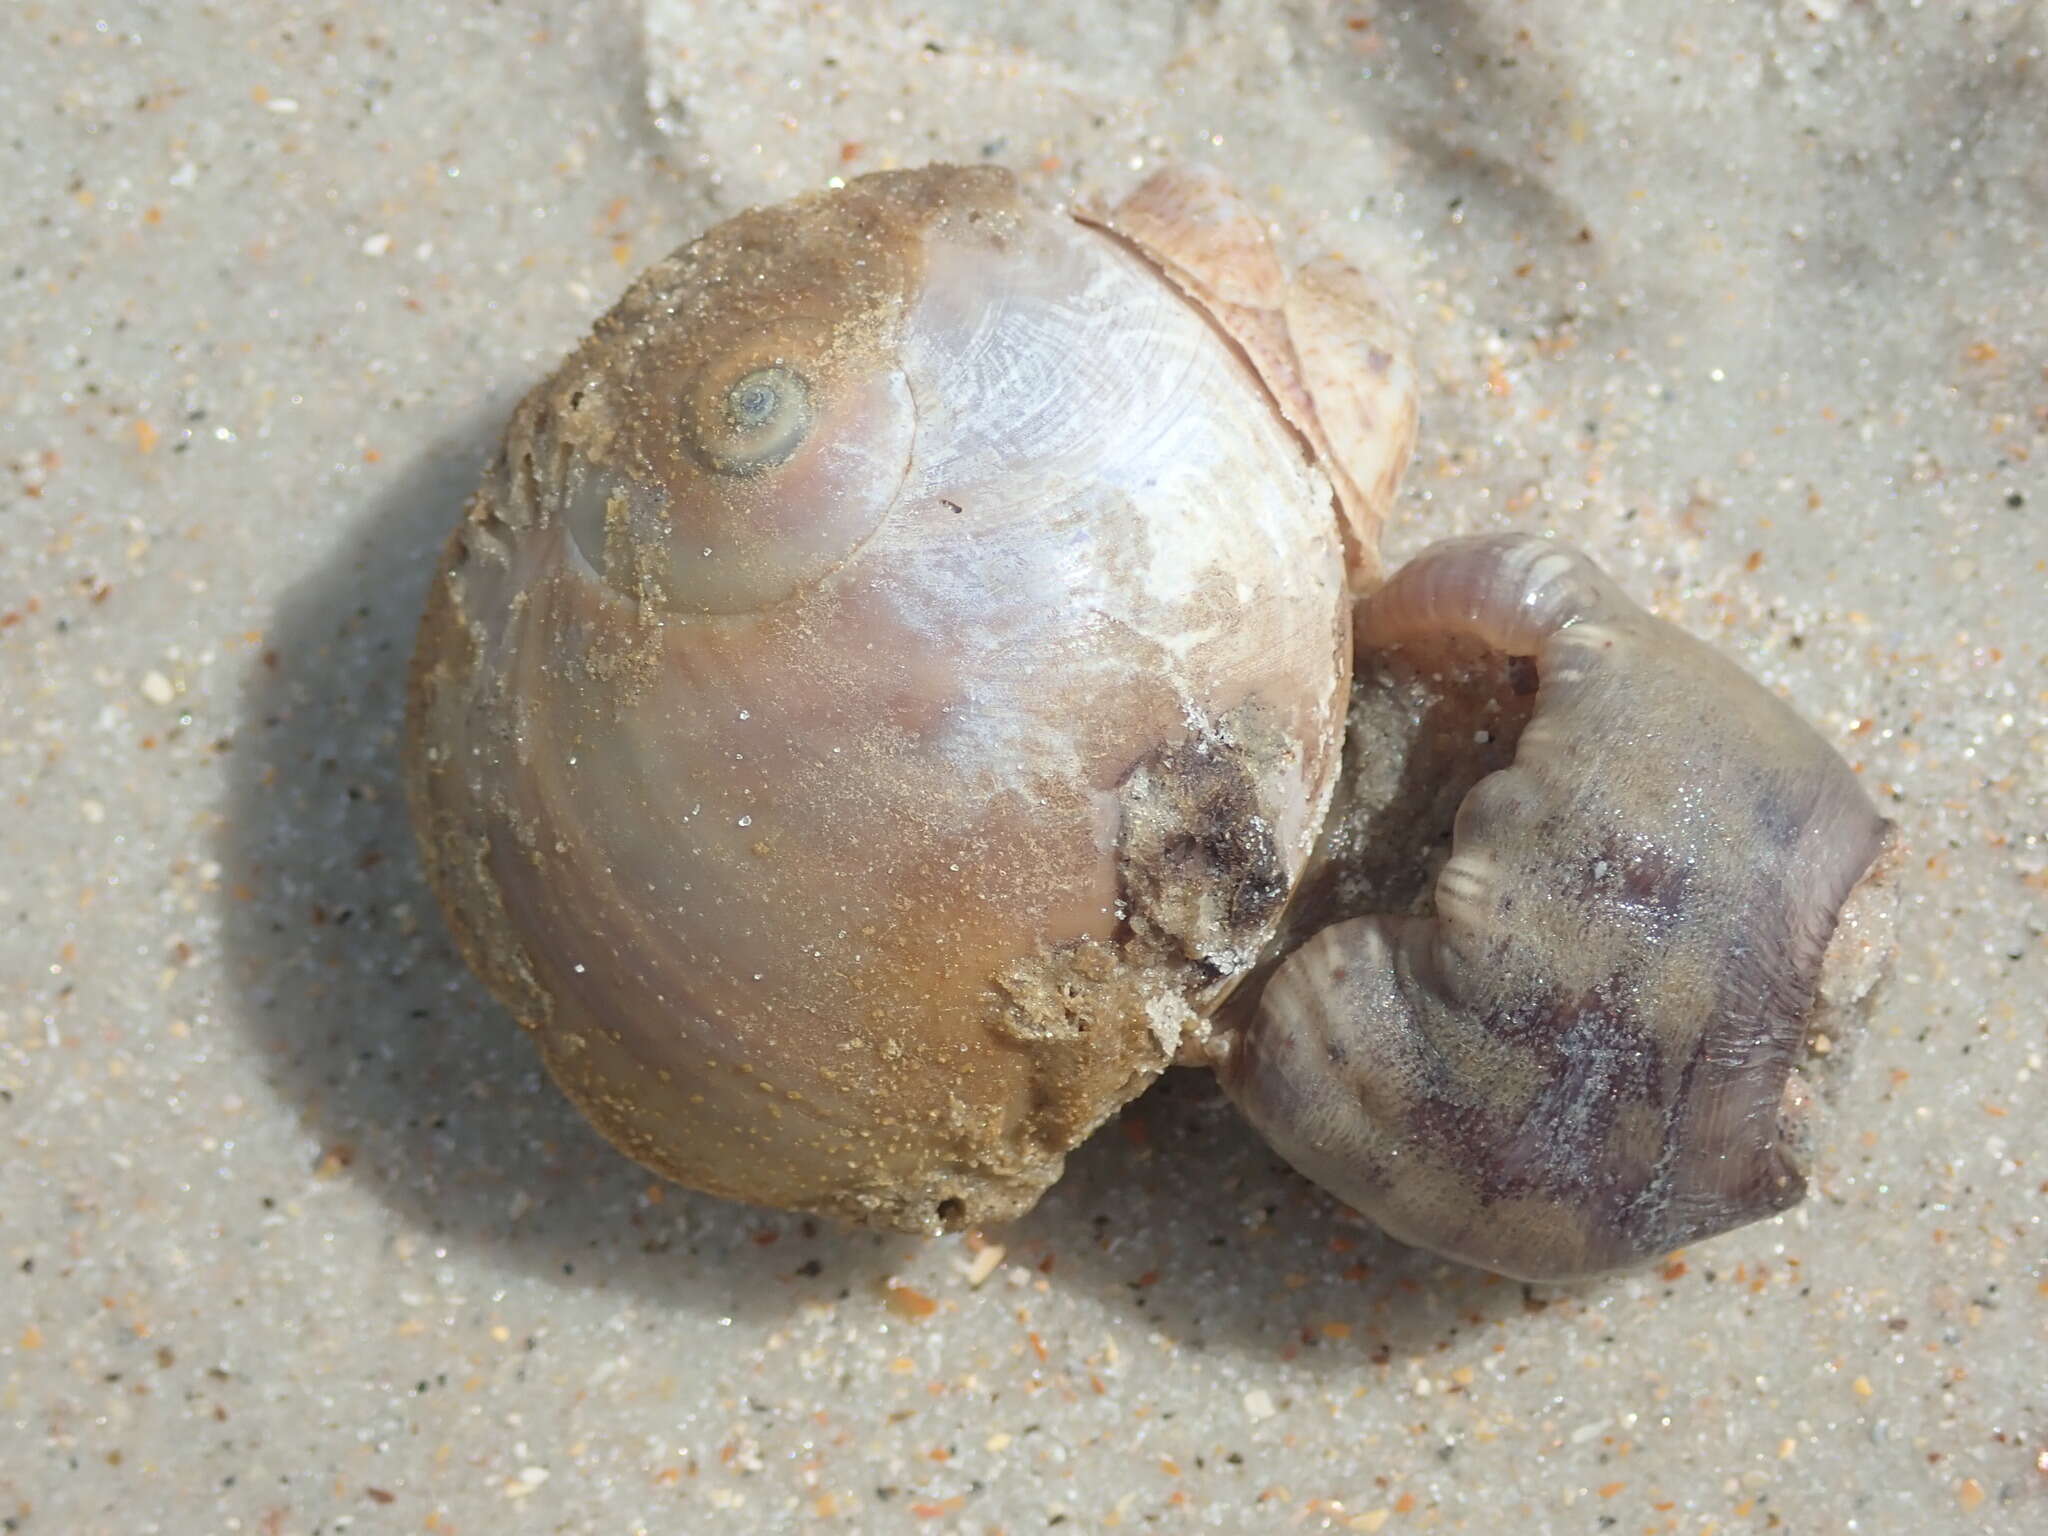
(1748, 299)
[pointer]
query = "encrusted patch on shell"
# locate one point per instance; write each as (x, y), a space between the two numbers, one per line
(1203, 870)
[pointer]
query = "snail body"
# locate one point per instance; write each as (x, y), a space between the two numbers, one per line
(1593, 1049)
(882, 696)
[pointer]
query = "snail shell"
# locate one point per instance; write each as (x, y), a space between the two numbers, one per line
(884, 693)
(1592, 1051)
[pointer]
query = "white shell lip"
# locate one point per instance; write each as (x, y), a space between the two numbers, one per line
(1325, 340)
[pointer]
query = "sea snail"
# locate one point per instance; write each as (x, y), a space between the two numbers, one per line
(887, 698)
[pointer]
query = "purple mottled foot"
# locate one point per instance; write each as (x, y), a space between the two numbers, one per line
(1591, 1053)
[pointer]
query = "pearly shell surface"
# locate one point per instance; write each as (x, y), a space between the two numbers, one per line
(884, 694)
(1593, 1049)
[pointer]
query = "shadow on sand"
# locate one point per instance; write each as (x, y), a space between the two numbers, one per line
(412, 1081)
